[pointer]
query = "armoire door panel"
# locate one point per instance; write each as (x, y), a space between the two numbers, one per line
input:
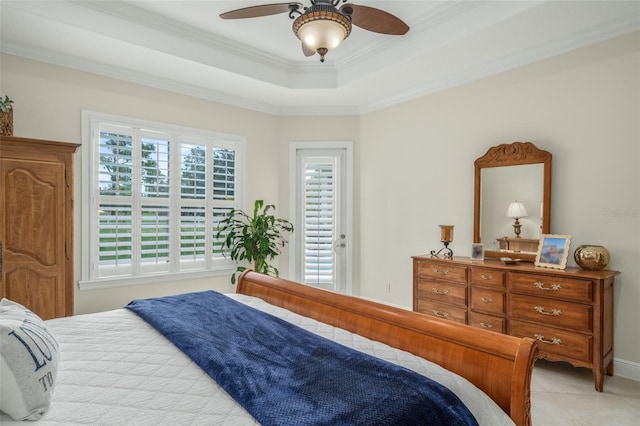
(34, 210)
(40, 292)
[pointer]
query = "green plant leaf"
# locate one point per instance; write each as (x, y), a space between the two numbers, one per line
(255, 239)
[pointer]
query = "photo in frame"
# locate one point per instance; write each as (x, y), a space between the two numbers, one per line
(477, 251)
(553, 251)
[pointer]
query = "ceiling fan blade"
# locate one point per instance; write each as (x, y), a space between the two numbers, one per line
(375, 20)
(307, 51)
(261, 10)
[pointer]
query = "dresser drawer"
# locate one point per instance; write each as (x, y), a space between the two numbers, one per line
(489, 277)
(443, 271)
(490, 301)
(487, 322)
(442, 291)
(556, 287)
(443, 311)
(556, 313)
(563, 344)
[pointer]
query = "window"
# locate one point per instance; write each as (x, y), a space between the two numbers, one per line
(154, 194)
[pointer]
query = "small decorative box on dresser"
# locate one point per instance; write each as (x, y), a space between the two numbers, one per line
(569, 312)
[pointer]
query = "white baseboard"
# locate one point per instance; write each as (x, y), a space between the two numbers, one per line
(628, 369)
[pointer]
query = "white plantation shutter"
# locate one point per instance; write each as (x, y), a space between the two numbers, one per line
(193, 200)
(152, 202)
(156, 199)
(319, 221)
(115, 207)
(193, 233)
(134, 201)
(114, 230)
(154, 235)
(225, 174)
(154, 165)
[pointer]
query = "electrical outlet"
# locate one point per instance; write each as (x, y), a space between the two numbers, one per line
(387, 287)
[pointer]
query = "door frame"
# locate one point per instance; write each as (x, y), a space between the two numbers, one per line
(347, 146)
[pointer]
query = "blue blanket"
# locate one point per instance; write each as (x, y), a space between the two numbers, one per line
(285, 375)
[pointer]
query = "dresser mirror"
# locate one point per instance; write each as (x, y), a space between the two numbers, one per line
(512, 200)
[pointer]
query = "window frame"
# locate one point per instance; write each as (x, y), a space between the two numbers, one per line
(216, 266)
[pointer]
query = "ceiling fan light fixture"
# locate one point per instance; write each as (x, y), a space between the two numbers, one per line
(322, 31)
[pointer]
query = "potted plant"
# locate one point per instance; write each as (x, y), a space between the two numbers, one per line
(256, 239)
(6, 116)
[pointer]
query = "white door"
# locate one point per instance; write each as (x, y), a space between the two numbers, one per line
(321, 212)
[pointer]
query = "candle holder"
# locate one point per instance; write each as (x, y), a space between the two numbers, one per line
(446, 237)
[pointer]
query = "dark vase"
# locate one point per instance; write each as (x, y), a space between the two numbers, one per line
(6, 123)
(593, 258)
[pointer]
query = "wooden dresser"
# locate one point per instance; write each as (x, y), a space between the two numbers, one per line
(569, 312)
(36, 224)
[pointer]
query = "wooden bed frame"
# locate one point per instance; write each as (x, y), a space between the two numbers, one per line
(498, 364)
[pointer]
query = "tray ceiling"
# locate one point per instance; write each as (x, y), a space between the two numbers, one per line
(183, 46)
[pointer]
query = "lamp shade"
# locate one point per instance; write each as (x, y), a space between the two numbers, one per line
(516, 210)
(322, 30)
(318, 34)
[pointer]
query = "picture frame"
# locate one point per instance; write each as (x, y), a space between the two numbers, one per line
(477, 251)
(553, 251)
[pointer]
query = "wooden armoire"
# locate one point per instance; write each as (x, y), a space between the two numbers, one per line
(36, 224)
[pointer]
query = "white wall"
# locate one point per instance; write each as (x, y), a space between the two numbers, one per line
(416, 167)
(413, 162)
(48, 104)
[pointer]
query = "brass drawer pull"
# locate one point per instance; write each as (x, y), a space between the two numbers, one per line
(554, 312)
(485, 325)
(438, 271)
(438, 291)
(553, 341)
(443, 314)
(486, 277)
(486, 299)
(554, 286)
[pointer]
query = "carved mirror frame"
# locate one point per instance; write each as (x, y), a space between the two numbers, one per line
(514, 154)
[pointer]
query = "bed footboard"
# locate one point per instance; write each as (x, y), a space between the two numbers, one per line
(498, 364)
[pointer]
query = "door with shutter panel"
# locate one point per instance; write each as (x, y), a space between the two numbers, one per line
(322, 241)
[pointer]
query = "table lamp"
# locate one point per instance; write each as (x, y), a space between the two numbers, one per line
(516, 211)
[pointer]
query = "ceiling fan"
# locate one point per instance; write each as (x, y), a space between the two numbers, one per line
(323, 26)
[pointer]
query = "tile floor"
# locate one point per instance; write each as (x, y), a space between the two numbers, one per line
(562, 395)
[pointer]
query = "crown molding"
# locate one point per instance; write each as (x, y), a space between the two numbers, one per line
(123, 74)
(144, 79)
(142, 17)
(598, 33)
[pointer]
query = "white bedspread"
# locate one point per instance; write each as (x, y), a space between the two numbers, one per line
(115, 369)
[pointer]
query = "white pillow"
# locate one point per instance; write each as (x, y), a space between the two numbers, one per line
(28, 362)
